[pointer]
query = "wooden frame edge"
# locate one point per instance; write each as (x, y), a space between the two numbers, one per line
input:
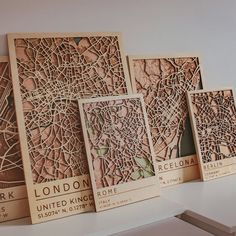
(195, 138)
(4, 59)
(21, 124)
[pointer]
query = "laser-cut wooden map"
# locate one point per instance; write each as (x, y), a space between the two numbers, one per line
(11, 167)
(213, 115)
(50, 72)
(118, 141)
(119, 148)
(163, 83)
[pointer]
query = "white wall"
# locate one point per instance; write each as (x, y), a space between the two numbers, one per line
(205, 27)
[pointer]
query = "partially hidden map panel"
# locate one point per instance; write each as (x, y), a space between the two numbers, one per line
(118, 142)
(53, 72)
(56, 145)
(163, 83)
(11, 168)
(214, 115)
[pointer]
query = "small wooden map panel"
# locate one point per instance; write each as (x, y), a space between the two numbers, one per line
(213, 116)
(50, 72)
(13, 196)
(119, 150)
(163, 83)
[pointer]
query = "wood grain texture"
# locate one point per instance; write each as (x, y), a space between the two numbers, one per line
(163, 82)
(119, 150)
(213, 118)
(50, 71)
(13, 196)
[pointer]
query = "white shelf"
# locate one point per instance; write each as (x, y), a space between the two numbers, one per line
(212, 202)
(102, 223)
(168, 227)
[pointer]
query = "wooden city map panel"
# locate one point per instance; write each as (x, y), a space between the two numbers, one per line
(13, 197)
(163, 83)
(119, 150)
(51, 71)
(213, 115)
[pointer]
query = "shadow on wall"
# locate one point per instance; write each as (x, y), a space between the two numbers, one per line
(3, 45)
